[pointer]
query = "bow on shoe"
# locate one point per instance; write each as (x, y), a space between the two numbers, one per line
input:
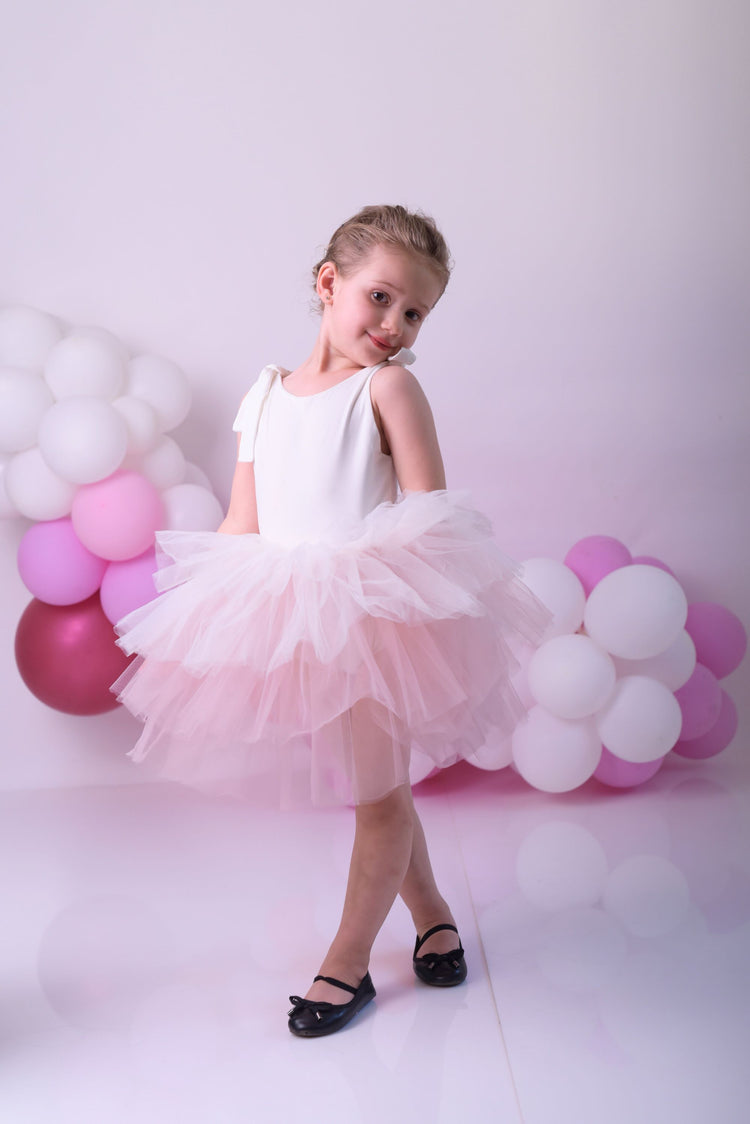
(438, 959)
(299, 1005)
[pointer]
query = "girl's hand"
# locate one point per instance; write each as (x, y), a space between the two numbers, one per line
(242, 516)
(406, 423)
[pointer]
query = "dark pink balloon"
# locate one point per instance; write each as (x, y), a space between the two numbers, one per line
(647, 560)
(717, 738)
(67, 656)
(55, 565)
(128, 585)
(719, 637)
(592, 558)
(616, 773)
(700, 703)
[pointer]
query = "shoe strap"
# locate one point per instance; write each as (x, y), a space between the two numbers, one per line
(431, 932)
(338, 983)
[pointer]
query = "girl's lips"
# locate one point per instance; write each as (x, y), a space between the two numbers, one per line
(380, 343)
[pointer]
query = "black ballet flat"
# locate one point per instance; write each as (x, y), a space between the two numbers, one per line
(309, 1019)
(440, 969)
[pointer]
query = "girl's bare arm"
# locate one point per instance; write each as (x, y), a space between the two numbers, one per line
(242, 516)
(406, 422)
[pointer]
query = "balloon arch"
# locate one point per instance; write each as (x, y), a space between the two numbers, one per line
(85, 455)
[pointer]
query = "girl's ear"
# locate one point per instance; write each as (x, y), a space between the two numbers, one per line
(327, 275)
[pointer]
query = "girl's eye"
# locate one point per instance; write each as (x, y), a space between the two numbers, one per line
(413, 315)
(379, 296)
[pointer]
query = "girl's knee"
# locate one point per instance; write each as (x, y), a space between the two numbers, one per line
(394, 810)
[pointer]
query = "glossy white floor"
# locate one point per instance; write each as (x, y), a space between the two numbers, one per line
(150, 938)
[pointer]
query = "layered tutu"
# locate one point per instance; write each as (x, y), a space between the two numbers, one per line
(323, 664)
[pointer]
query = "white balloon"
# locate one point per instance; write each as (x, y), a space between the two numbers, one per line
(636, 612)
(35, 490)
(672, 667)
(196, 475)
(560, 865)
(90, 361)
(559, 589)
(24, 398)
(83, 439)
(163, 385)
(648, 895)
(26, 336)
(142, 423)
(7, 509)
(571, 676)
(642, 720)
(554, 754)
(189, 507)
(164, 465)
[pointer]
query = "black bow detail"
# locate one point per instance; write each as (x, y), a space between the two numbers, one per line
(433, 959)
(300, 1005)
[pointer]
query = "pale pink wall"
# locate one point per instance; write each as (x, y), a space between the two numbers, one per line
(170, 169)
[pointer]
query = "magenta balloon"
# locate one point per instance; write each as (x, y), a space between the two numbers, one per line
(128, 585)
(717, 738)
(55, 565)
(116, 518)
(594, 557)
(719, 637)
(647, 560)
(67, 656)
(616, 773)
(700, 703)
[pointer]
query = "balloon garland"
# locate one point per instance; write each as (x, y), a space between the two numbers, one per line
(628, 672)
(84, 454)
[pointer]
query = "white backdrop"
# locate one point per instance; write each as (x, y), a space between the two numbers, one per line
(171, 169)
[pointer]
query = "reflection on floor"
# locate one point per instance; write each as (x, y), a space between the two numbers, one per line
(151, 936)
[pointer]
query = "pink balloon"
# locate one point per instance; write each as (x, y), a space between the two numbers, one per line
(55, 565)
(648, 560)
(594, 557)
(717, 738)
(67, 656)
(128, 585)
(700, 703)
(116, 518)
(719, 637)
(616, 773)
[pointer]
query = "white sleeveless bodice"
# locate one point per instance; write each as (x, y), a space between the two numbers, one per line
(319, 467)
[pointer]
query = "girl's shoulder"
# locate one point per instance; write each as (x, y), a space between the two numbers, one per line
(270, 372)
(262, 384)
(394, 385)
(247, 418)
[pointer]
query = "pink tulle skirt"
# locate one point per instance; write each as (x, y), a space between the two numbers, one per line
(322, 665)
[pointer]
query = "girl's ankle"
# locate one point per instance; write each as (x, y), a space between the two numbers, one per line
(435, 914)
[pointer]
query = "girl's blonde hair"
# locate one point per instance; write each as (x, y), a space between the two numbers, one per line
(387, 225)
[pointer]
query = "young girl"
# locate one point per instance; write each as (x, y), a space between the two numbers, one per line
(348, 609)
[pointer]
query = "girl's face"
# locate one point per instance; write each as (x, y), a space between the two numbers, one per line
(378, 307)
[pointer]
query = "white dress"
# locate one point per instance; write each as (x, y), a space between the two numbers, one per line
(358, 624)
(318, 463)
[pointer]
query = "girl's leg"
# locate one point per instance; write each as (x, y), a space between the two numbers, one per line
(382, 853)
(421, 896)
